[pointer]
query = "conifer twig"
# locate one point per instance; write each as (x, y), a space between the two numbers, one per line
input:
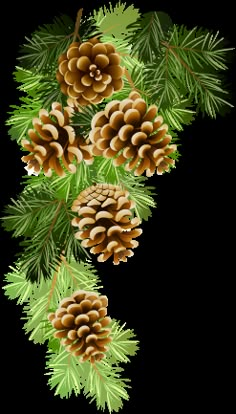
(77, 25)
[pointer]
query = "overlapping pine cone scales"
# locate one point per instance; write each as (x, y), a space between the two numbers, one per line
(89, 72)
(134, 135)
(54, 139)
(104, 222)
(82, 325)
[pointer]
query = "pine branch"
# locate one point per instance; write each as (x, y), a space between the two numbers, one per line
(46, 44)
(116, 20)
(45, 222)
(66, 374)
(23, 214)
(100, 381)
(188, 68)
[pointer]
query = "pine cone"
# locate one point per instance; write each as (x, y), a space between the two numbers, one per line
(132, 133)
(104, 212)
(80, 321)
(89, 72)
(52, 139)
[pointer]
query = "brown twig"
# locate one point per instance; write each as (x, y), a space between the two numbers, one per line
(54, 280)
(95, 368)
(77, 25)
(66, 264)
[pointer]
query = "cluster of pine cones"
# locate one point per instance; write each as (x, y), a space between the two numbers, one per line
(127, 131)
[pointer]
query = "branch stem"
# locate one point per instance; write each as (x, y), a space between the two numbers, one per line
(77, 25)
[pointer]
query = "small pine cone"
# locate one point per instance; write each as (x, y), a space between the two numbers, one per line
(52, 139)
(81, 320)
(104, 212)
(132, 133)
(89, 72)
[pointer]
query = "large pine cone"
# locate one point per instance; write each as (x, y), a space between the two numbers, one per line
(132, 133)
(52, 139)
(80, 321)
(89, 72)
(104, 212)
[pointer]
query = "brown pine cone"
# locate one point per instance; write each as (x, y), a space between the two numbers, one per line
(104, 212)
(81, 320)
(52, 139)
(132, 133)
(89, 72)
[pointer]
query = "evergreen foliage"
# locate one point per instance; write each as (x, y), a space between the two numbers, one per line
(179, 70)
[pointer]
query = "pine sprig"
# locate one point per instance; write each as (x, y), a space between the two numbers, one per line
(116, 21)
(40, 52)
(177, 69)
(45, 222)
(46, 44)
(187, 67)
(101, 382)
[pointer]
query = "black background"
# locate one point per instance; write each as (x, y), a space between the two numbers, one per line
(175, 291)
